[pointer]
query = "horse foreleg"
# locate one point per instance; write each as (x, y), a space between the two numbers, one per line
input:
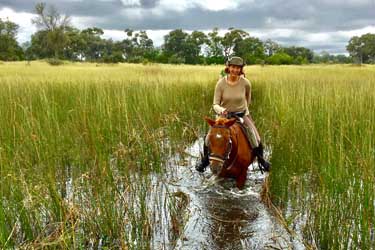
(241, 179)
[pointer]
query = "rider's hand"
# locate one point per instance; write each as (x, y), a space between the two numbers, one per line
(224, 113)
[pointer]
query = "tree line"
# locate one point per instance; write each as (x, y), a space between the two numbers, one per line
(56, 38)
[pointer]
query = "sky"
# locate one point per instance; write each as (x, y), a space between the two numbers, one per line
(321, 25)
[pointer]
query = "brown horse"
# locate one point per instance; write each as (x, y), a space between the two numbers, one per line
(230, 153)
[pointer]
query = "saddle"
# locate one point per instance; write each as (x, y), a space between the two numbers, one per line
(239, 120)
(235, 114)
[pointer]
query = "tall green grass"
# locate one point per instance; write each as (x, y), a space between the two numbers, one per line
(320, 123)
(79, 145)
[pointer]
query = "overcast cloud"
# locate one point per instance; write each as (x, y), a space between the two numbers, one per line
(316, 24)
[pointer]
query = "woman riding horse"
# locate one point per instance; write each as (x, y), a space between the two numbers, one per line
(233, 96)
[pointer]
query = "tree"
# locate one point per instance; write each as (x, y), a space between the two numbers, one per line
(341, 59)
(251, 49)
(362, 48)
(112, 52)
(355, 49)
(279, 58)
(174, 43)
(55, 26)
(145, 45)
(93, 45)
(271, 47)
(39, 48)
(138, 46)
(322, 57)
(214, 47)
(76, 46)
(193, 48)
(180, 47)
(231, 39)
(9, 48)
(299, 53)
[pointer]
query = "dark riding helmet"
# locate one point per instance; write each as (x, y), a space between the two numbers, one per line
(236, 60)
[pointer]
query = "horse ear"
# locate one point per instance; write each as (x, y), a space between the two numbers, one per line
(209, 121)
(230, 122)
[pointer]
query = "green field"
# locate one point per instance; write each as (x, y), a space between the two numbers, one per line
(80, 144)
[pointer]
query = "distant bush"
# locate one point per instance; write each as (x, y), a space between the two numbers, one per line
(115, 57)
(259, 61)
(299, 60)
(145, 61)
(161, 58)
(215, 60)
(54, 61)
(250, 59)
(371, 60)
(279, 58)
(135, 59)
(175, 59)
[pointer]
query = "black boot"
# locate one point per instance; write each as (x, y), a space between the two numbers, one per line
(204, 161)
(263, 164)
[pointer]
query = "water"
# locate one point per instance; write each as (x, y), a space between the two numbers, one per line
(218, 215)
(211, 213)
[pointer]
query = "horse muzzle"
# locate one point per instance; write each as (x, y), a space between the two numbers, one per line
(216, 165)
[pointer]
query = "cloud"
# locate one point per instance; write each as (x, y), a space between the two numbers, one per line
(206, 5)
(23, 19)
(310, 15)
(138, 3)
(148, 3)
(157, 36)
(320, 24)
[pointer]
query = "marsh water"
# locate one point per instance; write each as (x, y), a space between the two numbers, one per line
(205, 212)
(215, 214)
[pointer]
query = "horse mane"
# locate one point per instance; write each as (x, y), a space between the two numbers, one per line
(221, 121)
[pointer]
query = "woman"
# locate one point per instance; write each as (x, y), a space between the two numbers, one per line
(233, 95)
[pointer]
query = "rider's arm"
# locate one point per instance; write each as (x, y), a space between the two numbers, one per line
(248, 92)
(217, 99)
(247, 95)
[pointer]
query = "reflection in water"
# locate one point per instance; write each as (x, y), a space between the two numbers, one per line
(229, 218)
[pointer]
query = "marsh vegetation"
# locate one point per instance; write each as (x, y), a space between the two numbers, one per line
(82, 145)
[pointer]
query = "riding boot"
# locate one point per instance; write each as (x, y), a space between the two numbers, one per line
(259, 153)
(204, 161)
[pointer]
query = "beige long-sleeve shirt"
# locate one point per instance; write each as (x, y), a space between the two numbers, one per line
(232, 98)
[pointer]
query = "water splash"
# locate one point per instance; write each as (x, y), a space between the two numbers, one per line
(219, 215)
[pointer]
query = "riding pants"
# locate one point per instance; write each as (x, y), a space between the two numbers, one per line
(252, 132)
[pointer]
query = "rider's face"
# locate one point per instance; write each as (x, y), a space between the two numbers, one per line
(234, 70)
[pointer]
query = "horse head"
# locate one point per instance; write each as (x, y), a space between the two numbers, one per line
(219, 142)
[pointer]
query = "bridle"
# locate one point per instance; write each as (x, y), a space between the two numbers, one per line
(225, 157)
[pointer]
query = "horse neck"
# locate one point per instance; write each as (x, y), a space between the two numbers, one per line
(234, 130)
(233, 134)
